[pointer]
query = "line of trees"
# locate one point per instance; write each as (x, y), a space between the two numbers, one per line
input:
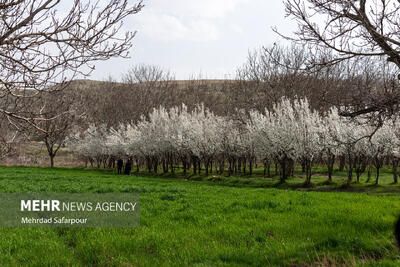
(268, 75)
(289, 133)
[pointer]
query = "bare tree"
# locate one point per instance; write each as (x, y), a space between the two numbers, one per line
(146, 74)
(58, 116)
(149, 86)
(8, 137)
(276, 71)
(109, 102)
(350, 29)
(46, 42)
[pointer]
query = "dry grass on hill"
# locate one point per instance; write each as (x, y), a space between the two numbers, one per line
(35, 154)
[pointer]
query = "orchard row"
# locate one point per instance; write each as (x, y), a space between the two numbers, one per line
(288, 134)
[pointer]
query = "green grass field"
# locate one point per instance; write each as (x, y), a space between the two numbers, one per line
(214, 222)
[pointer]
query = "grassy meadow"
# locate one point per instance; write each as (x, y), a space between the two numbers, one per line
(214, 221)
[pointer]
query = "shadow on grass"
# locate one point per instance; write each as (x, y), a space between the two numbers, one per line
(319, 182)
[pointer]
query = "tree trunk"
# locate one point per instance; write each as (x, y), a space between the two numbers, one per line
(368, 174)
(52, 160)
(172, 166)
(155, 165)
(291, 166)
(164, 164)
(377, 176)
(199, 164)
(378, 165)
(251, 166)
(283, 170)
(221, 166)
(350, 171)
(331, 162)
(148, 164)
(308, 172)
(395, 164)
(184, 166)
(265, 168)
(342, 162)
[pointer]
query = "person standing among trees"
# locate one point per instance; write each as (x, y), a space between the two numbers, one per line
(128, 167)
(120, 165)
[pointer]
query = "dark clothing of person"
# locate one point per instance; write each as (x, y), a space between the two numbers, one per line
(128, 167)
(120, 164)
